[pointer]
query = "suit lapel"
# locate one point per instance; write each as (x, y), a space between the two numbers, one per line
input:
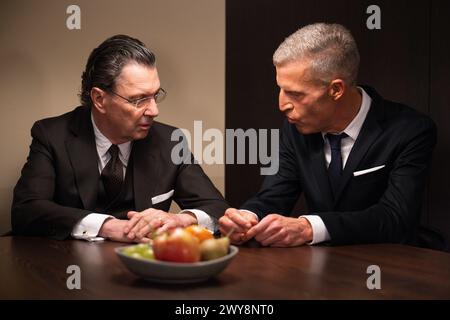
(369, 132)
(319, 168)
(146, 162)
(83, 157)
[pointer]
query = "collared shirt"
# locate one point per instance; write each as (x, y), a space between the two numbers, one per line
(320, 232)
(103, 144)
(352, 131)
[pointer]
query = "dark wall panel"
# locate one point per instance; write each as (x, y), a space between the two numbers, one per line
(439, 191)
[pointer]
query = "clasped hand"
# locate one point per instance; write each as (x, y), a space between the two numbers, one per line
(273, 230)
(142, 225)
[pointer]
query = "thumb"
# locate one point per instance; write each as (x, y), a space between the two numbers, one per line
(130, 214)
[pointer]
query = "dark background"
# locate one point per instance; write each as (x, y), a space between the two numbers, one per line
(407, 61)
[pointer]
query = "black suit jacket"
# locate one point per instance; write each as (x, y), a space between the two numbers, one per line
(59, 182)
(381, 206)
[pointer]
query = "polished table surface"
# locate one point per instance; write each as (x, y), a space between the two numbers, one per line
(35, 268)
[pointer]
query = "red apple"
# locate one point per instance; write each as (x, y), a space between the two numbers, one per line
(177, 246)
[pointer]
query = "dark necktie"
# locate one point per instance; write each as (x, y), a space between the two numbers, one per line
(112, 174)
(335, 167)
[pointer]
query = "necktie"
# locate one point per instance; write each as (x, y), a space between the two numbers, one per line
(335, 167)
(112, 174)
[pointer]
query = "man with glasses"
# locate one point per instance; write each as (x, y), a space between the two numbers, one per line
(104, 170)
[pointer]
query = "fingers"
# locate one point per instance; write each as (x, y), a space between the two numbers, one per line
(235, 237)
(137, 225)
(147, 226)
(257, 229)
(251, 233)
(229, 228)
(167, 225)
(240, 220)
(265, 228)
(139, 221)
(269, 237)
(281, 232)
(134, 219)
(130, 214)
(300, 232)
(160, 223)
(145, 240)
(234, 222)
(268, 230)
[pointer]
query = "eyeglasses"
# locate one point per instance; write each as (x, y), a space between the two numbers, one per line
(144, 102)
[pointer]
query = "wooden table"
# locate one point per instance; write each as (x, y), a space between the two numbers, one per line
(35, 268)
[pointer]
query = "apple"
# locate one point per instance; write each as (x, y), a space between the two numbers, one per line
(178, 245)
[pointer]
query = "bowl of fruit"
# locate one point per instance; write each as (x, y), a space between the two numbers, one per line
(182, 255)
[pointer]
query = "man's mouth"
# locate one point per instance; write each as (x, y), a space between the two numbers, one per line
(145, 125)
(290, 120)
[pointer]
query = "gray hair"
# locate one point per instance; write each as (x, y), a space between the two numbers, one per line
(330, 48)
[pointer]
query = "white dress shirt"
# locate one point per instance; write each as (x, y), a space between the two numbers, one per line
(89, 227)
(320, 232)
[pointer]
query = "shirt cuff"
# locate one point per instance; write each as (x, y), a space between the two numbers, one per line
(256, 216)
(203, 219)
(89, 227)
(320, 232)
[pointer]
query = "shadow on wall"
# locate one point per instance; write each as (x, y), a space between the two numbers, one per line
(22, 102)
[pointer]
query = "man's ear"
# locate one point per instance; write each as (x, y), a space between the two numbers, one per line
(98, 97)
(336, 89)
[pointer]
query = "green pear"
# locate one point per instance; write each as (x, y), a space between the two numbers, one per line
(214, 248)
(139, 251)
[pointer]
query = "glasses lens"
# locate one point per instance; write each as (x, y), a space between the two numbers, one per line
(146, 102)
(143, 103)
(160, 95)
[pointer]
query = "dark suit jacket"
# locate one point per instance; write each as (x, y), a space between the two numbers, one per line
(381, 206)
(59, 182)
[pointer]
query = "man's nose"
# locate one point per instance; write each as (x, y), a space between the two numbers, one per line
(283, 103)
(152, 110)
(285, 107)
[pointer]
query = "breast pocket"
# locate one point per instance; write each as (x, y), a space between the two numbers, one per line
(162, 201)
(375, 175)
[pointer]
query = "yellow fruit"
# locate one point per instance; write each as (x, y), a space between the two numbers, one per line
(200, 233)
(214, 248)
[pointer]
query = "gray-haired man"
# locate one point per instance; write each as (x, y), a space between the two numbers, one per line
(360, 161)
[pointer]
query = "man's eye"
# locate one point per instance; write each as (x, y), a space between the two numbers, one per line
(293, 94)
(141, 100)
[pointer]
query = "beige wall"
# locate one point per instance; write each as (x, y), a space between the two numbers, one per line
(41, 63)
